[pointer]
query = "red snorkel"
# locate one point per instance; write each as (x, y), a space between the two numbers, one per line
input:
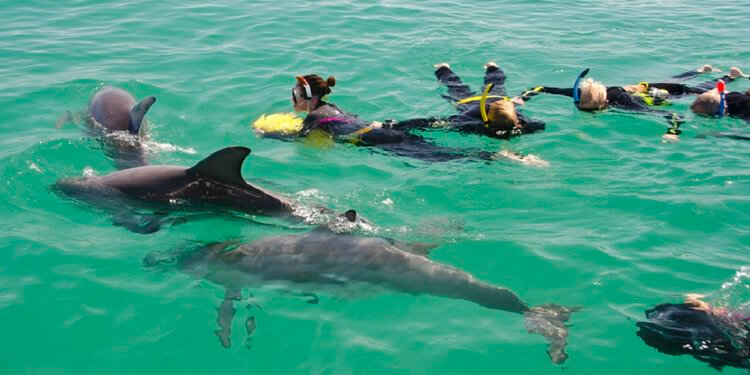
(721, 87)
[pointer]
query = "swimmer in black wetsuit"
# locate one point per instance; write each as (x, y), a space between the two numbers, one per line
(719, 102)
(712, 335)
(658, 92)
(309, 96)
(498, 118)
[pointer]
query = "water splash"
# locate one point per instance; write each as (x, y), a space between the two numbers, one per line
(735, 294)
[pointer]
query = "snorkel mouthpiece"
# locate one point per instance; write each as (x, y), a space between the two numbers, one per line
(482, 102)
(576, 96)
(721, 86)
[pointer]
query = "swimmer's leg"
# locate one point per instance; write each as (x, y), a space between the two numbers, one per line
(493, 74)
(457, 90)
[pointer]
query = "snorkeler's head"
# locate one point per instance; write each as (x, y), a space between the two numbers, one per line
(502, 115)
(593, 95)
(309, 90)
(707, 103)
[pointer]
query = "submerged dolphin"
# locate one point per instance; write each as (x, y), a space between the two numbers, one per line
(117, 110)
(324, 257)
(216, 180)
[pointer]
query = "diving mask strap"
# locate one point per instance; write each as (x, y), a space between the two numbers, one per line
(576, 96)
(303, 82)
(482, 102)
(721, 86)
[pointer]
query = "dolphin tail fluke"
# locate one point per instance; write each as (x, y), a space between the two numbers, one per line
(549, 321)
(138, 112)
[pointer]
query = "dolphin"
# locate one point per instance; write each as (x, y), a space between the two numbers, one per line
(322, 257)
(116, 110)
(215, 181)
(118, 123)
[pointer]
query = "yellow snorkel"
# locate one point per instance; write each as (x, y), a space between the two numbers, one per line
(482, 103)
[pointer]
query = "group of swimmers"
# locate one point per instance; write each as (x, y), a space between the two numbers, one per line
(710, 334)
(492, 113)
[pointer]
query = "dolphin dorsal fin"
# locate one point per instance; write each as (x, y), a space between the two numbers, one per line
(224, 166)
(138, 112)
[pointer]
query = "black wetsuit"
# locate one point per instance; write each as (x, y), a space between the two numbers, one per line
(738, 105)
(469, 118)
(717, 339)
(392, 137)
(679, 89)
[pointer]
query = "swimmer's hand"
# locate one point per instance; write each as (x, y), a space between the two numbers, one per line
(375, 125)
(671, 138)
(518, 100)
(708, 69)
(695, 301)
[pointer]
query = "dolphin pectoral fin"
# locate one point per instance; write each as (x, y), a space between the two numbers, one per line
(226, 313)
(250, 328)
(65, 118)
(138, 113)
(417, 248)
(224, 165)
(313, 298)
(549, 321)
(146, 224)
(136, 224)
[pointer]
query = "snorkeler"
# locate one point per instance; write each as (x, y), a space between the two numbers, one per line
(309, 95)
(718, 102)
(710, 334)
(492, 114)
(657, 93)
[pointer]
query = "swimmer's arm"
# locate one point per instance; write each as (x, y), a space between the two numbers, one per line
(558, 91)
(708, 85)
(528, 94)
(686, 76)
(412, 124)
(672, 88)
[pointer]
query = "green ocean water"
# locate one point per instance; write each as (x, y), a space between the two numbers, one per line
(616, 222)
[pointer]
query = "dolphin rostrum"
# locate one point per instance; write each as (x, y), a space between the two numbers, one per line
(323, 257)
(216, 180)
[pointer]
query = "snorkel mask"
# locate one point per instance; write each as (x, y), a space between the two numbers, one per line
(721, 86)
(301, 81)
(576, 95)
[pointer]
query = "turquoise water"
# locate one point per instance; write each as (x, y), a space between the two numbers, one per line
(616, 222)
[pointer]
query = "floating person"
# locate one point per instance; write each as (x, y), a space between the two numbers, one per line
(658, 93)
(327, 120)
(492, 114)
(215, 183)
(322, 258)
(713, 335)
(718, 102)
(112, 113)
